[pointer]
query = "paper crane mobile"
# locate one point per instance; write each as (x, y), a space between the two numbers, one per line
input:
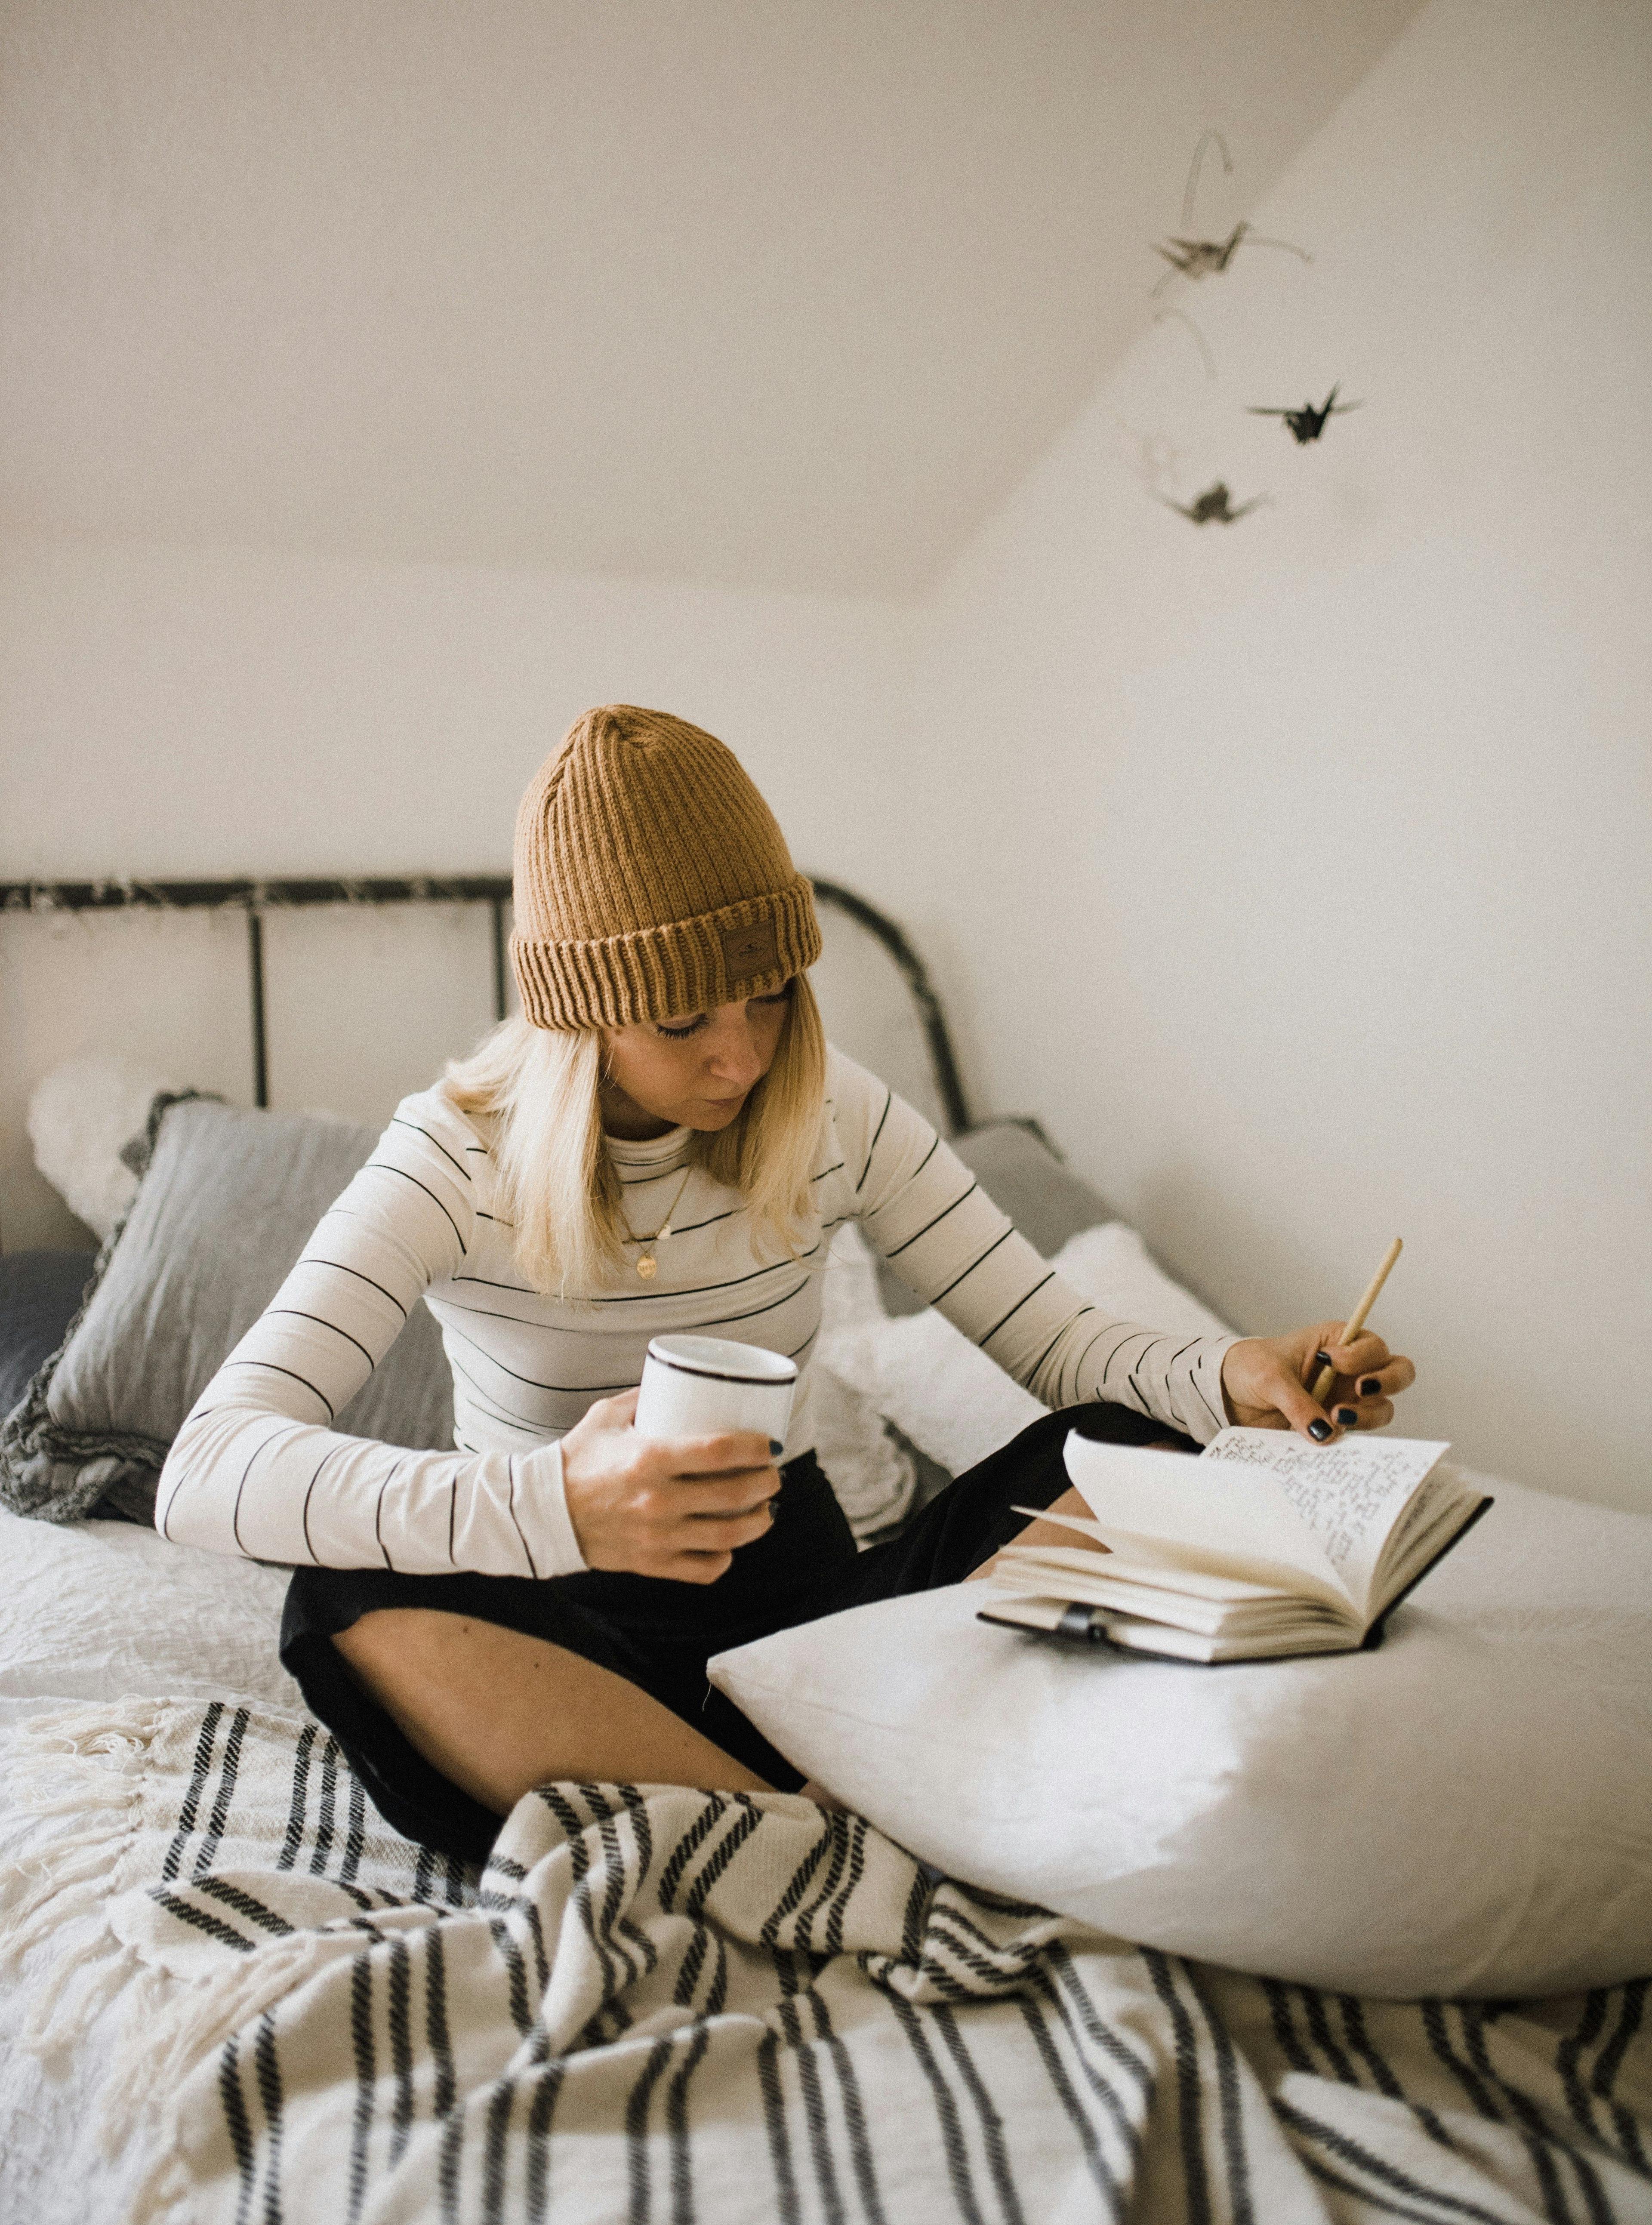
(1207, 258)
(1214, 506)
(1307, 423)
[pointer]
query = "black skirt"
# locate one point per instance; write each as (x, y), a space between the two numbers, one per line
(659, 1633)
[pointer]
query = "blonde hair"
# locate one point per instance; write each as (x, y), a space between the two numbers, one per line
(540, 1089)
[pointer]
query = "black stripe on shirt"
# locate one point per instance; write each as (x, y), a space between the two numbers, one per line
(489, 1405)
(1033, 1370)
(722, 1321)
(594, 1390)
(1016, 1308)
(970, 1270)
(304, 1516)
(321, 1321)
(510, 1472)
(396, 1121)
(275, 1370)
(688, 1227)
(517, 1321)
(888, 1100)
(378, 1514)
(1079, 1363)
(310, 1260)
(928, 1225)
(384, 1166)
(263, 1445)
(704, 1289)
(1193, 1378)
(1152, 1337)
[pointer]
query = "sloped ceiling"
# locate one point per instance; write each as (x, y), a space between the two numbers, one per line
(769, 295)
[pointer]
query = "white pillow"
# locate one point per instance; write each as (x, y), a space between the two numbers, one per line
(874, 1479)
(1113, 1265)
(1465, 1811)
(958, 1405)
(79, 1115)
(95, 1610)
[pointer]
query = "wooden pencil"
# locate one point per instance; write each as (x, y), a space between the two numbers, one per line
(1356, 1321)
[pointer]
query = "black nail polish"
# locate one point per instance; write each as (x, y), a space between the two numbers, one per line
(1318, 1430)
(1368, 1386)
(1346, 1417)
(776, 1447)
(1324, 1358)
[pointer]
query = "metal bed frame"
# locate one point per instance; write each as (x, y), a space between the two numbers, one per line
(255, 897)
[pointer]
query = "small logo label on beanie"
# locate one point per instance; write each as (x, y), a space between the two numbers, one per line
(750, 949)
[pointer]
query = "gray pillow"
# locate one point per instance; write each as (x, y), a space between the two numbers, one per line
(1020, 1172)
(227, 1200)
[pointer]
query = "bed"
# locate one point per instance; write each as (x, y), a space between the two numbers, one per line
(231, 1994)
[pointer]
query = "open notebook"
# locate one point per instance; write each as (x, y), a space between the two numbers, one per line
(1264, 1546)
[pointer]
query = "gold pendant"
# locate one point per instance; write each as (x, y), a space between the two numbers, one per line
(648, 1266)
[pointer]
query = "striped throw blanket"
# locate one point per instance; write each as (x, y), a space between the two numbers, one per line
(666, 2007)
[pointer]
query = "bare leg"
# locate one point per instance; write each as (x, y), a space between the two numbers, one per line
(498, 1712)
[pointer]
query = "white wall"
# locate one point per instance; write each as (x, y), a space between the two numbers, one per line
(773, 297)
(180, 711)
(171, 713)
(1295, 872)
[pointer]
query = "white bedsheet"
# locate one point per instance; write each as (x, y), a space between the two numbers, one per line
(91, 1610)
(95, 1610)
(52, 2170)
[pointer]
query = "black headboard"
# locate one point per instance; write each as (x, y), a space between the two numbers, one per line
(255, 897)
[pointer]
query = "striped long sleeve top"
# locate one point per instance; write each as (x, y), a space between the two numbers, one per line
(259, 1469)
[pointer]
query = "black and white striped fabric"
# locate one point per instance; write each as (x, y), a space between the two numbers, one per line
(259, 1467)
(658, 2005)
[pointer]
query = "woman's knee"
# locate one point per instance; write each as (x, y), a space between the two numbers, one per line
(390, 1641)
(438, 1670)
(479, 1701)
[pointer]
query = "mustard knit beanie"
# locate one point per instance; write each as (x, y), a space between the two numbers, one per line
(651, 879)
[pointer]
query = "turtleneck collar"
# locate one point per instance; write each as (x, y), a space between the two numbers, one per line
(657, 1155)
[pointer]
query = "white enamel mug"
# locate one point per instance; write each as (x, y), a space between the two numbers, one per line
(697, 1386)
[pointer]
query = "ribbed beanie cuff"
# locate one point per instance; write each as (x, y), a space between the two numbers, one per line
(651, 879)
(687, 966)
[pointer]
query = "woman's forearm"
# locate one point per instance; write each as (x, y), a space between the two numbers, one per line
(929, 1217)
(244, 1479)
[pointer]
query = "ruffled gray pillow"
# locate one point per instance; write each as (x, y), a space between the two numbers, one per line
(226, 1202)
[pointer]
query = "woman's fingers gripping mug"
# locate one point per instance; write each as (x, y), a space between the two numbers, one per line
(698, 1386)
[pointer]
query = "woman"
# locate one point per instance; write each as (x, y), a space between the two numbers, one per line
(662, 1142)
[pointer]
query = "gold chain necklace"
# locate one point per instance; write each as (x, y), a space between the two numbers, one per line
(648, 1266)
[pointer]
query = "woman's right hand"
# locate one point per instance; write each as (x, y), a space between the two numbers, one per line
(675, 1507)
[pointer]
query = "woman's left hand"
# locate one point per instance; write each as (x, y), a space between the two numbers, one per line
(1265, 1379)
